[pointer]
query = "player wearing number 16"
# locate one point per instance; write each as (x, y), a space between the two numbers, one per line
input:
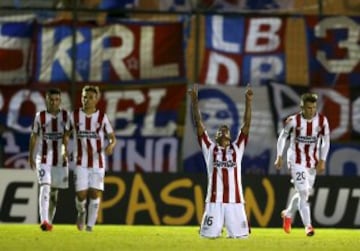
(224, 203)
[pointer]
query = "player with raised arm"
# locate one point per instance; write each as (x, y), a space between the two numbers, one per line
(47, 155)
(224, 203)
(93, 138)
(309, 136)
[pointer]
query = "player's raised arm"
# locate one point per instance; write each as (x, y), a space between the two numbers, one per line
(193, 92)
(247, 114)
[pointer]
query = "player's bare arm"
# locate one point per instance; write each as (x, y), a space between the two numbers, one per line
(247, 115)
(32, 143)
(280, 148)
(193, 92)
(66, 140)
(65, 144)
(281, 141)
(112, 143)
(278, 162)
(320, 167)
(325, 146)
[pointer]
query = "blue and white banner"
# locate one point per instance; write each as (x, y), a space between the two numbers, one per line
(119, 52)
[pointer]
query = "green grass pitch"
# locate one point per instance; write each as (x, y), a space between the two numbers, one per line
(22, 237)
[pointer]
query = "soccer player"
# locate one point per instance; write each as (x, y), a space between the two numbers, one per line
(47, 155)
(309, 136)
(93, 137)
(224, 203)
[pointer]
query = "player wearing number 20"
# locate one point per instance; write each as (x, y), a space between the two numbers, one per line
(224, 204)
(309, 136)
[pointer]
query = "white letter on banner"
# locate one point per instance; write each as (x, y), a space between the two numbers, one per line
(118, 158)
(113, 98)
(215, 61)
(255, 34)
(149, 128)
(47, 49)
(51, 52)
(279, 92)
(348, 64)
(275, 67)
(322, 204)
(134, 159)
(356, 194)
(148, 69)
(115, 55)
(356, 115)
(217, 38)
(15, 103)
(160, 154)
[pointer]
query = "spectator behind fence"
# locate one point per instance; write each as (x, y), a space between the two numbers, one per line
(99, 17)
(42, 10)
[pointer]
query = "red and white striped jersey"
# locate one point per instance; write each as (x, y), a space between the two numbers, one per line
(305, 138)
(224, 169)
(90, 133)
(50, 130)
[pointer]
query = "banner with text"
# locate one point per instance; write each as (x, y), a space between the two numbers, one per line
(147, 121)
(177, 199)
(117, 52)
(241, 50)
(334, 50)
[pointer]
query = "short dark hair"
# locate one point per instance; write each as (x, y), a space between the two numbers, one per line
(219, 129)
(308, 97)
(53, 91)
